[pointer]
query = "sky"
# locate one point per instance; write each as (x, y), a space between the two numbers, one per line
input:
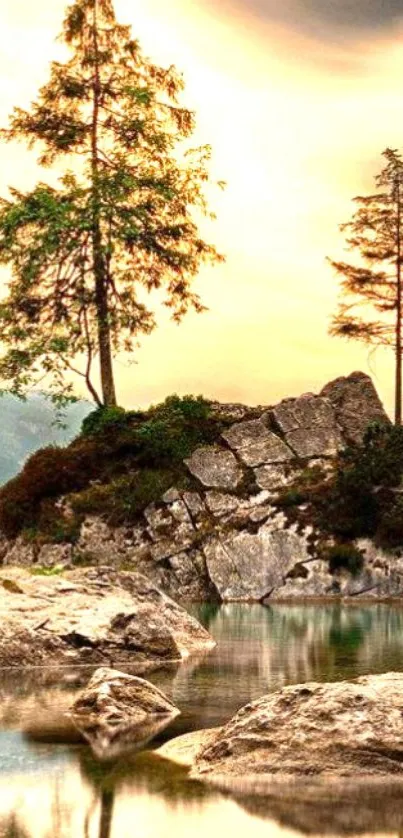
(298, 99)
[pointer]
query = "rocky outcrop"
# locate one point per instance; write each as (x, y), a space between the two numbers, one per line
(355, 403)
(223, 537)
(97, 616)
(117, 712)
(309, 426)
(312, 731)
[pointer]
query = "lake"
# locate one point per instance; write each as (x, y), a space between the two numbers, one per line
(51, 786)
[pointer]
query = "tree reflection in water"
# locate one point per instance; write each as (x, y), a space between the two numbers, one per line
(259, 649)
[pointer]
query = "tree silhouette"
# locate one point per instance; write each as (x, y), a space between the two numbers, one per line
(376, 233)
(123, 221)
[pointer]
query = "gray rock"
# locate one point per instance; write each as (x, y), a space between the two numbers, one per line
(92, 616)
(171, 495)
(308, 411)
(183, 750)
(235, 411)
(19, 553)
(221, 504)
(53, 555)
(272, 477)
(256, 445)
(309, 580)
(196, 507)
(309, 425)
(117, 712)
(315, 442)
(215, 467)
(311, 731)
(356, 404)
(247, 566)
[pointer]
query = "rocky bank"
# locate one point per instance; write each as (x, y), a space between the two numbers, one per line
(225, 538)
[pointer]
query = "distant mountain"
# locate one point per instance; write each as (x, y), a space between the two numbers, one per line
(28, 425)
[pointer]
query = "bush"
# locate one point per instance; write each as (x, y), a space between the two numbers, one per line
(361, 492)
(106, 419)
(390, 529)
(124, 499)
(113, 447)
(172, 430)
(49, 473)
(345, 557)
(291, 497)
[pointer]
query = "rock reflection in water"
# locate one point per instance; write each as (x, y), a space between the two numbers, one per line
(261, 649)
(151, 798)
(50, 791)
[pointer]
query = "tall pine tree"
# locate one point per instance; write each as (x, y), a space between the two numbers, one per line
(123, 221)
(375, 285)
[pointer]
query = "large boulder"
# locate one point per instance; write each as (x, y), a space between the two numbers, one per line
(356, 404)
(94, 616)
(349, 729)
(118, 712)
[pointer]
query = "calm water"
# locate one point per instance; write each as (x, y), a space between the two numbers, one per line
(55, 789)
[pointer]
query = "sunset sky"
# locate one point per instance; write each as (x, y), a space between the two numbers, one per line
(298, 98)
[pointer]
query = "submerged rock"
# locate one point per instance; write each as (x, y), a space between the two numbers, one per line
(183, 750)
(117, 712)
(94, 616)
(349, 729)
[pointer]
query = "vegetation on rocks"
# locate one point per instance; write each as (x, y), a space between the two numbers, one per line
(362, 496)
(120, 463)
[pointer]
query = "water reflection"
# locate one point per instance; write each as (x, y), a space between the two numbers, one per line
(50, 785)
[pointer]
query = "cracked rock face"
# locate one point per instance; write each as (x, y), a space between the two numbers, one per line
(215, 467)
(309, 426)
(247, 566)
(223, 538)
(256, 445)
(117, 712)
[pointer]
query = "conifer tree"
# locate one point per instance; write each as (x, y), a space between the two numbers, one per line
(122, 222)
(375, 232)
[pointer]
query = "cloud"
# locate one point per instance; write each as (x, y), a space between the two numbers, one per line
(334, 17)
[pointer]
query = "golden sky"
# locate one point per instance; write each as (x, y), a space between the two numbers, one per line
(298, 99)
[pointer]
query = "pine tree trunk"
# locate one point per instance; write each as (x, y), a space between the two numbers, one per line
(100, 275)
(398, 347)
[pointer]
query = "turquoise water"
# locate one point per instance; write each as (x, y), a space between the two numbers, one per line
(52, 786)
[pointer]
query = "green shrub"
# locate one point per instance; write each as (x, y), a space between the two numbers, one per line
(106, 419)
(47, 571)
(112, 449)
(354, 502)
(291, 497)
(172, 430)
(390, 529)
(123, 500)
(345, 557)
